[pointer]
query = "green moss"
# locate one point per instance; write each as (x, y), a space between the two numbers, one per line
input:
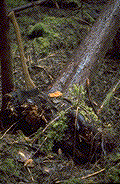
(9, 166)
(114, 174)
(73, 181)
(15, 3)
(55, 132)
(56, 32)
(78, 95)
(113, 167)
(25, 19)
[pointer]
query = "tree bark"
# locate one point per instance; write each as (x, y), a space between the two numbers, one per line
(91, 50)
(5, 54)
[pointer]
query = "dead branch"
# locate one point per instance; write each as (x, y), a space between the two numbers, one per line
(93, 174)
(108, 96)
(89, 96)
(29, 83)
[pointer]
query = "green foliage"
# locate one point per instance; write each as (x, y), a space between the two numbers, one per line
(114, 175)
(37, 29)
(110, 95)
(56, 131)
(56, 32)
(78, 96)
(9, 166)
(113, 167)
(58, 128)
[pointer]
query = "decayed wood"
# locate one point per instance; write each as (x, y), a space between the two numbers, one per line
(91, 50)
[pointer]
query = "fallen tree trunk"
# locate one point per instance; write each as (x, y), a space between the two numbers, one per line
(91, 50)
(88, 53)
(94, 47)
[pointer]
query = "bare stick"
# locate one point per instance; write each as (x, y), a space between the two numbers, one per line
(29, 83)
(8, 130)
(89, 96)
(41, 132)
(76, 116)
(49, 124)
(40, 146)
(84, 177)
(30, 174)
(108, 96)
(93, 174)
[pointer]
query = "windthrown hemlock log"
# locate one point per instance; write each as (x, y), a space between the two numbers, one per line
(91, 50)
(83, 142)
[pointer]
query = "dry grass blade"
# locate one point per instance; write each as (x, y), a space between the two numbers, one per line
(108, 96)
(93, 174)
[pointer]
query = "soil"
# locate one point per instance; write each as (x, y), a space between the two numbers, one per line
(16, 163)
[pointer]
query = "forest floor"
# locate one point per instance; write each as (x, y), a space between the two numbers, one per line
(16, 163)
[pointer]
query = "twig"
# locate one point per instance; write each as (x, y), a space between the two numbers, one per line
(51, 122)
(76, 116)
(93, 174)
(108, 96)
(96, 112)
(30, 174)
(40, 146)
(102, 144)
(88, 93)
(56, 4)
(84, 177)
(47, 73)
(41, 132)
(46, 57)
(9, 129)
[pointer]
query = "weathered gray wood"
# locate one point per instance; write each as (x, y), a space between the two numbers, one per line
(91, 50)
